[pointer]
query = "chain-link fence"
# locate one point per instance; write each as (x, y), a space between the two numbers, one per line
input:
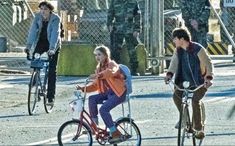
(228, 18)
(84, 21)
(14, 23)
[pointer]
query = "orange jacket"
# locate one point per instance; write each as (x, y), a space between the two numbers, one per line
(112, 74)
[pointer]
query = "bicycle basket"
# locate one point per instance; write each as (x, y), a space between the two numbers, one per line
(76, 105)
(37, 64)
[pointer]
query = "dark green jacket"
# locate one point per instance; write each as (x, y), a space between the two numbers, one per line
(198, 10)
(124, 16)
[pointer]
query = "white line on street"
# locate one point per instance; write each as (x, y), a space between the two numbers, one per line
(47, 141)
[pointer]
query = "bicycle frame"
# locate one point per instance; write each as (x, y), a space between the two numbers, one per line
(185, 109)
(38, 70)
(85, 117)
(37, 64)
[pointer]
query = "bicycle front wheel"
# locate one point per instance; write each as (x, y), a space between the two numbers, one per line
(33, 93)
(130, 131)
(74, 132)
(183, 124)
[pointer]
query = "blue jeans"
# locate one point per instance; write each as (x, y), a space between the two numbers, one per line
(109, 100)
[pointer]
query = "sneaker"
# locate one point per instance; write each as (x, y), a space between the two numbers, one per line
(116, 137)
(50, 102)
(199, 134)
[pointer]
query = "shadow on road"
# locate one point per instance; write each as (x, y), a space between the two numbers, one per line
(174, 137)
(12, 116)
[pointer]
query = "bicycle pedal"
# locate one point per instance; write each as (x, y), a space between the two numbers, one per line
(115, 141)
(121, 139)
(127, 136)
(190, 130)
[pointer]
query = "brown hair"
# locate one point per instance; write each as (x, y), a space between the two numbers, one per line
(103, 49)
(47, 4)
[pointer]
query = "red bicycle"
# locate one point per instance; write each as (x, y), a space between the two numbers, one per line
(80, 131)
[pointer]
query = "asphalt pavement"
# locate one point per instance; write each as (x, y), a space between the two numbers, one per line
(152, 109)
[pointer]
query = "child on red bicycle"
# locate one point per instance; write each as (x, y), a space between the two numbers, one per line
(110, 84)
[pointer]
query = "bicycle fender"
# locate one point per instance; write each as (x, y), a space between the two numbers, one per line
(123, 119)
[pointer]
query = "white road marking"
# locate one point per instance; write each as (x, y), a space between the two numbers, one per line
(51, 140)
(219, 99)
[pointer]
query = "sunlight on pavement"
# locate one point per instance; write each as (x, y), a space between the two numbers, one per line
(5, 86)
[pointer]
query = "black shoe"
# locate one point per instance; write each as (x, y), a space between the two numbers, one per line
(51, 101)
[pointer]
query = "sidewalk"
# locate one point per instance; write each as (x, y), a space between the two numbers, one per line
(16, 63)
(12, 55)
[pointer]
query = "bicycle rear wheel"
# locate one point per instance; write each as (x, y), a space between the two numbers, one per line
(33, 93)
(183, 125)
(74, 132)
(130, 131)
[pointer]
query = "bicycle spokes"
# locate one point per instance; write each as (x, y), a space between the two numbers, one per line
(130, 133)
(74, 132)
(33, 93)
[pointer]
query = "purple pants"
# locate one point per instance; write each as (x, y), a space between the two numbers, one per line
(109, 100)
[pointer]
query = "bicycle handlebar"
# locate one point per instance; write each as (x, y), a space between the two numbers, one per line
(30, 58)
(186, 89)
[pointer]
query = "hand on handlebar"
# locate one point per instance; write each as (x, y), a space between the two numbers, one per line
(51, 52)
(167, 79)
(78, 87)
(27, 51)
(92, 76)
(207, 83)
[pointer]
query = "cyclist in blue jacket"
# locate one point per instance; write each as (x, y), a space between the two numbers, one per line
(44, 36)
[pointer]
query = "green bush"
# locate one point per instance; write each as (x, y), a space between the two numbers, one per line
(78, 59)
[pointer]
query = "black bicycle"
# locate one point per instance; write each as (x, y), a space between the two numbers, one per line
(38, 84)
(185, 125)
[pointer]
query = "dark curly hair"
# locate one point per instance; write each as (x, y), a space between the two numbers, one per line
(47, 4)
(181, 33)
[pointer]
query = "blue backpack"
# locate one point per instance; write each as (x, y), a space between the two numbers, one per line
(126, 72)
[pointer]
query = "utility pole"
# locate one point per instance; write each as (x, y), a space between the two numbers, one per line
(157, 34)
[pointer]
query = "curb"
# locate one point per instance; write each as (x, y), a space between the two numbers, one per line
(7, 71)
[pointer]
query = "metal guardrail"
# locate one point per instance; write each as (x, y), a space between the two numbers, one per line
(18, 61)
(213, 57)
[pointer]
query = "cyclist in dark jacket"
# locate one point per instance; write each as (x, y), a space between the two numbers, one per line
(190, 62)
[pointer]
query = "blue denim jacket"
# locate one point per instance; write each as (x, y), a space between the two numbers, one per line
(53, 31)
